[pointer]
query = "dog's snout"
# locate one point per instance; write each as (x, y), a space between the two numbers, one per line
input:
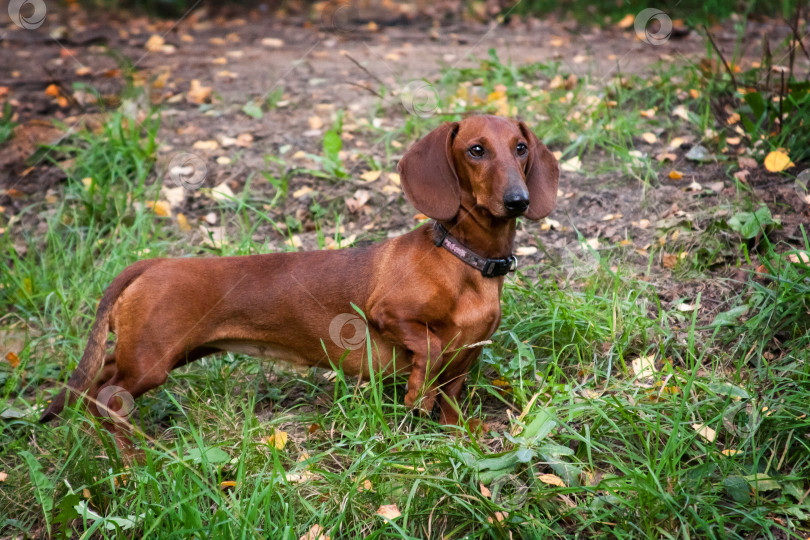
(516, 200)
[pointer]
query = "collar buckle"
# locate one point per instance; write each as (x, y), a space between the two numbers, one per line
(487, 267)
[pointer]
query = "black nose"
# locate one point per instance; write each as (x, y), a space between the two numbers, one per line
(516, 201)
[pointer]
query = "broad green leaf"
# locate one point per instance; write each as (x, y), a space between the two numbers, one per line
(495, 463)
(111, 523)
(487, 477)
(253, 109)
(757, 104)
(725, 389)
(541, 426)
(730, 317)
(763, 482)
(43, 487)
(750, 224)
(737, 488)
(524, 455)
(555, 449)
(332, 144)
(212, 455)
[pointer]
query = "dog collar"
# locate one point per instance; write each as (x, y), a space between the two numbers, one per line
(487, 267)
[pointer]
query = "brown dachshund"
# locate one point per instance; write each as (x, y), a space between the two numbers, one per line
(429, 297)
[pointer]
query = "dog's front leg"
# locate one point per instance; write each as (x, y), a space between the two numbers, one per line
(451, 382)
(426, 359)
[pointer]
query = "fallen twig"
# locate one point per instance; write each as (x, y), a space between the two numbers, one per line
(720, 53)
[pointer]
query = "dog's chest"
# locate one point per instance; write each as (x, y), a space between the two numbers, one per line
(478, 309)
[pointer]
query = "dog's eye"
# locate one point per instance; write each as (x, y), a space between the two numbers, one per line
(476, 150)
(522, 149)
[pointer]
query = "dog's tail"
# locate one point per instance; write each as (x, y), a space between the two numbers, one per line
(96, 348)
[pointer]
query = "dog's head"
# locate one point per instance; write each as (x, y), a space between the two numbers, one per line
(500, 163)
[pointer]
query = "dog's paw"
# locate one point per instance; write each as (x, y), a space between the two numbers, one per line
(411, 397)
(477, 425)
(422, 403)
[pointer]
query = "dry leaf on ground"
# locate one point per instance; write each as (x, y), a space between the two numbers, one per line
(777, 161)
(370, 176)
(277, 440)
(154, 43)
(388, 511)
(356, 202)
(315, 532)
(222, 192)
(213, 236)
(551, 479)
(644, 366)
(198, 94)
(705, 431)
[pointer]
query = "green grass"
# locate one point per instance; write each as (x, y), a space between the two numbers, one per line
(693, 11)
(6, 123)
(709, 440)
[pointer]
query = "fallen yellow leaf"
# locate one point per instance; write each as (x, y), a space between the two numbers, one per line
(485, 491)
(500, 100)
(798, 257)
(154, 43)
(644, 366)
(13, 359)
(626, 22)
(777, 161)
(552, 480)
(161, 208)
(649, 137)
(182, 222)
(208, 145)
(388, 511)
(197, 93)
(315, 533)
(277, 440)
(365, 485)
(705, 431)
(370, 176)
(499, 516)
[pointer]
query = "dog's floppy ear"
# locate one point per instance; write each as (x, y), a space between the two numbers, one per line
(542, 176)
(428, 174)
